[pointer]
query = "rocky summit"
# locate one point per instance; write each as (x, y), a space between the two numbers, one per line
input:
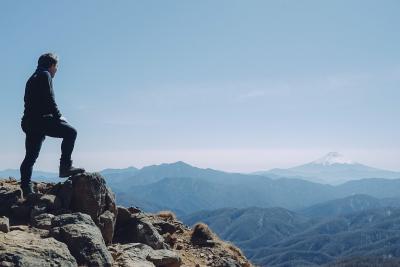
(77, 223)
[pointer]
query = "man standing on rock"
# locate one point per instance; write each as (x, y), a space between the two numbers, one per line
(42, 118)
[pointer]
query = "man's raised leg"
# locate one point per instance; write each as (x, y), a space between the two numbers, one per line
(61, 129)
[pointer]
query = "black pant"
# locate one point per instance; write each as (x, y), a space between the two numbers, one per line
(36, 131)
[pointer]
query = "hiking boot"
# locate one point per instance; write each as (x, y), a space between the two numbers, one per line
(66, 169)
(27, 189)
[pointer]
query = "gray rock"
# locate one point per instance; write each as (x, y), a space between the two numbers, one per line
(228, 262)
(164, 258)
(63, 192)
(131, 253)
(106, 225)
(72, 218)
(33, 205)
(37, 210)
(9, 196)
(18, 248)
(139, 230)
(83, 239)
(90, 195)
(148, 234)
(4, 224)
(123, 216)
(20, 212)
(51, 202)
(42, 221)
(165, 227)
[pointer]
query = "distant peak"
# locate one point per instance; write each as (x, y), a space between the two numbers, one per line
(180, 163)
(333, 158)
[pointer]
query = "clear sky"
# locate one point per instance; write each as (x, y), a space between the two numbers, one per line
(231, 85)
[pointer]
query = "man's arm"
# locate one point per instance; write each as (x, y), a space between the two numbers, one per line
(50, 102)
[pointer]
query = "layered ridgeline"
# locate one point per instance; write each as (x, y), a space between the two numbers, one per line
(77, 222)
(354, 231)
(185, 189)
(333, 168)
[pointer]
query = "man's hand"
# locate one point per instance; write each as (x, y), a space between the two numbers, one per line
(62, 118)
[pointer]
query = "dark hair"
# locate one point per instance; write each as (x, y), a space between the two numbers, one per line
(46, 60)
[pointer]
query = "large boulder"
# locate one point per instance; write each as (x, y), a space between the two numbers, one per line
(24, 249)
(82, 237)
(107, 224)
(90, 195)
(138, 229)
(10, 193)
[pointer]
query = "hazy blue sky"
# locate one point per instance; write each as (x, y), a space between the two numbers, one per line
(230, 85)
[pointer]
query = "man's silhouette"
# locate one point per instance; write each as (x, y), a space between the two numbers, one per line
(42, 118)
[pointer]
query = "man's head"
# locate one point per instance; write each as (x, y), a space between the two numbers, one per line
(49, 61)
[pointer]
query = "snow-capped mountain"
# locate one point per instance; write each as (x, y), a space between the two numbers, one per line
(333, 168)
(333, 158)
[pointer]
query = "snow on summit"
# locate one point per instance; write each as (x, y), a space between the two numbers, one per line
(333, 158)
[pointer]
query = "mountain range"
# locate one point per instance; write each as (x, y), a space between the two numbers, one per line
(312, 236)
(333, 169)
(186, 189)
(307, 213)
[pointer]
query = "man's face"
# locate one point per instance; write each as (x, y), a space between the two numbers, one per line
(53, 70)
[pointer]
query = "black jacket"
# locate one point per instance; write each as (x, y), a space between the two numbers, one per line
(39, 96)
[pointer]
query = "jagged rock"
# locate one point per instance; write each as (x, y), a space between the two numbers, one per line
(134, 210)
(138, 229)
(51, 202)
(4, 224)
(28, 229)
(38, 204)
(88, 193)
(138, 253)
(43, 221)
(165, 227)
(91, 196)
(131, 255)
(19, 228)
(227, 262)
(123, 216)
(107, 225)
(164, 258)
(33, 205)
(82, 237)
(170, 239)
(9, 195)
(63, 192)
(20, 211)
(18, 248)
(123, 227)
(86, 235)
(148, 234)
